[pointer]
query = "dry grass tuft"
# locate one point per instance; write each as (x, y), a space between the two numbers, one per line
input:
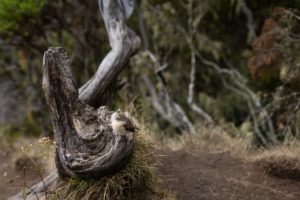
(138, 180)
(282, 167)
(282, 161)
(207, 136)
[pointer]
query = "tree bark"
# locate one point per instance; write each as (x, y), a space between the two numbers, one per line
(124, 43)
(86, 145)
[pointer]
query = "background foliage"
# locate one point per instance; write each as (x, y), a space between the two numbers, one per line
(28, 27)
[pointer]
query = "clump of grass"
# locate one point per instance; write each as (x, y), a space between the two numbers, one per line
(207, 136)
(138, 180)
(282, 166)
(281, 161)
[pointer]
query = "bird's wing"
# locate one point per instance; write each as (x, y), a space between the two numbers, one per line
(129, 128)
(128, 125)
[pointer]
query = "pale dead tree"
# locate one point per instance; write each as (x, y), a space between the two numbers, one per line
(86, 145)
(163, 103)
(250, 21)
(232, 80)
(124, 43)
(235, 82)
(190, 100)
(161, 100)
(193, 25)
(192, 29)
(168, 109)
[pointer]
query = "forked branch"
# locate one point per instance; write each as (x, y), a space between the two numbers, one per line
(86, 145)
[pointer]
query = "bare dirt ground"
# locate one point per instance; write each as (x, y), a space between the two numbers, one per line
(202, 173)
(210, 174)
(12, 163)
(12, 175)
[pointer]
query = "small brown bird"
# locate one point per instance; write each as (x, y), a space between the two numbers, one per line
(122, 123)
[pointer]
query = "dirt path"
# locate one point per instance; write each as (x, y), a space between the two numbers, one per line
(12, 175)
(193, 174)
(206, 174)
(12, 163)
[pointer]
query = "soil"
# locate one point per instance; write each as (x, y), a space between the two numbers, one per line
(12, 168)
(210, 174)
(192, 173)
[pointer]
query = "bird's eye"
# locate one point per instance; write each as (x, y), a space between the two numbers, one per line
(118, 118)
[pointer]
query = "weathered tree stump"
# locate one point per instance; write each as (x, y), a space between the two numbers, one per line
(86, 145)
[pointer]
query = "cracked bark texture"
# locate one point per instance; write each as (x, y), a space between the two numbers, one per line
(86, 145)
(124, 43)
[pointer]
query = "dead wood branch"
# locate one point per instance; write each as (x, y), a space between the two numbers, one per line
(86, 145)
(161, 101)
(239, 87)
(124, 43)
(192, 30)
(168, 109)
(250, 21)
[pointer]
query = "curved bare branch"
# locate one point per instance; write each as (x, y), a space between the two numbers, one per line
(87, 146)
(124, 43)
